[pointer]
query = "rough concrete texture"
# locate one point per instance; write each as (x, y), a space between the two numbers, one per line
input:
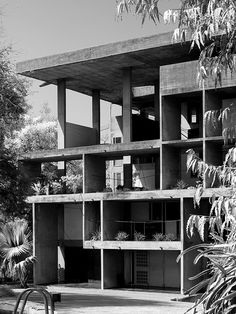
(75, 299)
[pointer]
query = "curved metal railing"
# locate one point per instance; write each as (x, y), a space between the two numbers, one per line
(45, 294)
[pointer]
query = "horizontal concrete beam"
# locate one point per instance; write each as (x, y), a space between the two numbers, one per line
(105, 150)
(133, 245)
(126, 196)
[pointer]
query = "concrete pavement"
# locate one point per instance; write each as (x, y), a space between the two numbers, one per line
(88, 301)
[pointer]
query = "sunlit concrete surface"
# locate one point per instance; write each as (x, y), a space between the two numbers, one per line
(75, 299)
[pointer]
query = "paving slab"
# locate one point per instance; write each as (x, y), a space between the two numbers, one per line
(75, 299)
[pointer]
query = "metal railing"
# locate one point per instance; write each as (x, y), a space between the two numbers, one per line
(43, 292)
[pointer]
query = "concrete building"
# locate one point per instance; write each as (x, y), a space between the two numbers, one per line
(154, 81)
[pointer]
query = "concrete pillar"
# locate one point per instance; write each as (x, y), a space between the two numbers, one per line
(127, 124)
(128, 173)
(94, 174)
(157, 102)
(61, 246)
(96, 113)
(127, 105)
(61, 121)
(45, 242)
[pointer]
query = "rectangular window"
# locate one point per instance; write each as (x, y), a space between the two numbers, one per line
(116, 140)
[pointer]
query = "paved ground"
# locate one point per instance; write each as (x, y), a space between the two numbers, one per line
(88, 301)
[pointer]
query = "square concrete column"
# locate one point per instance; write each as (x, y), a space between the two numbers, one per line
(127, 123)
(45, 243)
(96, 113)
(127, 105)
(61, 121)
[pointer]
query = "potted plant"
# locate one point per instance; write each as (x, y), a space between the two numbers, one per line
(122, 236)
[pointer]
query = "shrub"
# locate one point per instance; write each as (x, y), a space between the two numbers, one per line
(138, 236)
(122, 236)
(169, 237)
(158, 237)
(95, 235)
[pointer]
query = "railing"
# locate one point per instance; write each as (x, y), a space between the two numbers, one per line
(43, 292)
(168, 230)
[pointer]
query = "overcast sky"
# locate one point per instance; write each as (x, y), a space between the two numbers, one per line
(37, 28)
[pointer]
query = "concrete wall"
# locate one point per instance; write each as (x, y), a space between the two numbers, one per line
(113, 212)
(170, 117)
(140, 211)
(94, 172)
(113, 268)
(78, 135)
(73, 216)
(45, 234)
(92, 218)
(145, 175)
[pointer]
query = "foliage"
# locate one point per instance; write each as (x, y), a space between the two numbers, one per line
(158, 237)
(73, 183)
(218, 279)
(37, 134)
(170, 237)
(219, 296)
(95, 235)
(164, 237)
(138, 236)
(16, 250)
(122, 236)
(13, 187)
(210, 25)
(181, 185)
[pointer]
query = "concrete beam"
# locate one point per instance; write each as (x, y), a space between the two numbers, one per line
(138, 195)
(106, 150)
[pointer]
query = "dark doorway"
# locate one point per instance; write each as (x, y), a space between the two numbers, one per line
(76, 264)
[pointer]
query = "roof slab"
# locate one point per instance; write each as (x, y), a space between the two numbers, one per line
(101, 67)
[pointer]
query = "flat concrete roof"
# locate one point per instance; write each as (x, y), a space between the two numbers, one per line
(101, 67)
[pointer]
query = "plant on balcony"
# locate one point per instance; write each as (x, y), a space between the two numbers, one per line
(138, 236)
(56, 187)
(158, 237)
(180, 185)
(38, 188)
(164, 237)
(170, 237)
(95, 235)
(122, 236)
(73, 183)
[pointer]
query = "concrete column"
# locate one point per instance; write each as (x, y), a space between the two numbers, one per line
(61, 121)
(127, 123)
(45, 242)
(127, 105)
(156, 102)
(96, 113)
(94, 174)
(128, 174)
(61, 246)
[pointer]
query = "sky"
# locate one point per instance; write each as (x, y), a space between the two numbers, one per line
(38, 28)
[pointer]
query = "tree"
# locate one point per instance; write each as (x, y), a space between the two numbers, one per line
(208, 24)
(36, 134)
(16, 250)
(12, 107)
